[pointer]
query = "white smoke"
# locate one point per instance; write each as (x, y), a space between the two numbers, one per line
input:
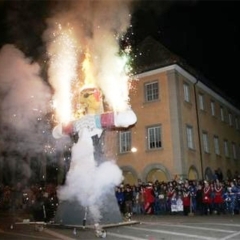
(97, 27)
(24, 101)
(86, 182)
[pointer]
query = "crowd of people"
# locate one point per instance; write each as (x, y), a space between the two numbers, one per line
(182, 197)
(38, 200)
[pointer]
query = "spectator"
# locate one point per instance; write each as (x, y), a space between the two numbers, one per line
(218, 197)
(186, 201)
(199, 198)
(207, 199)
(120, 198)
(149, 199)
(170, 193)
(128, 202)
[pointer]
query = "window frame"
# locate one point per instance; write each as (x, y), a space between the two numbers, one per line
(213, 110)
(230, 119)
(236, 123)
(216, 145)
(222, 114)
(151, 94)
(234, 150)
(226, 148)
(190, 137)
(186, 92)
(205, 142)
(156, 143)
(201, 101)
(125, 141)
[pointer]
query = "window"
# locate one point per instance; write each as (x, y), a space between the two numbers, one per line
(238, 152)
(226, 150)
(151, 91)
(125, 141)
(190, 137)
(213, 108)
(230, 119)
(154, 137)
(222, 114)
(234, 150)
(205, 142)
(186, 92)
(236, 123)
(201, 101)
(216, 145)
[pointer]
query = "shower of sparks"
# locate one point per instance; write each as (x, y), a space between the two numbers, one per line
(62, 70)
(72, 69)
(115, 83)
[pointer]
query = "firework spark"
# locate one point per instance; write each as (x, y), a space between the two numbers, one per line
(63, 54)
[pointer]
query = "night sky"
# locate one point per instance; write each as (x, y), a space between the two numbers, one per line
(204, 33)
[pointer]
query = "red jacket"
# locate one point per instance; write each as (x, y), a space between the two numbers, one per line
(149, 195)
(218, 194)
(186, 199)
(207, 194)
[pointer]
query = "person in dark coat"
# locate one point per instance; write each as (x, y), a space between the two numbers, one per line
(128, 202)
(120, 198)
(199, 196)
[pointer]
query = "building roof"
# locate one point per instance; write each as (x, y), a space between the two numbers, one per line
(151, 54)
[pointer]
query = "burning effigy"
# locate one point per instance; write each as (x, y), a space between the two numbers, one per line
(90, 78)
(92, 178)
(83, 64)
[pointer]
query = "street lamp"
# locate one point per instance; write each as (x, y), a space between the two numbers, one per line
(133, 149)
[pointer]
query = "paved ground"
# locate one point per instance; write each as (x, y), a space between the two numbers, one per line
(223, 227)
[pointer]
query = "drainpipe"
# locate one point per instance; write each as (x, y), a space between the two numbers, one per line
(198, 129)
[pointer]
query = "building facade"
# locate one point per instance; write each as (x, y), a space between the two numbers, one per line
(184, 129)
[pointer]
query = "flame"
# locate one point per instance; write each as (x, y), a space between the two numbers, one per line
(87, 69)
(110, 73)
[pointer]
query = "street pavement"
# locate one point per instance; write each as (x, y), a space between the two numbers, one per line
(141, 227)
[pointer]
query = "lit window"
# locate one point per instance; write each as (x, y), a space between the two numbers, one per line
(125, 141)
(190, 137)
(154, 137)
(216, 145)
(151, 91)
(186, 92)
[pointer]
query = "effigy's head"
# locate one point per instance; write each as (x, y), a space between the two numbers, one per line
(91, 100)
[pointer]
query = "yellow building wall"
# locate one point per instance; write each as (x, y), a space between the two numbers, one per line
(174, 114)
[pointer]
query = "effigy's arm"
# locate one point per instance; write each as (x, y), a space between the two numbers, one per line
(103, 121)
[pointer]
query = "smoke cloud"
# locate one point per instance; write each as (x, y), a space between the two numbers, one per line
(89, 28)
(94, 27)
(97, 28)
(25, 101)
